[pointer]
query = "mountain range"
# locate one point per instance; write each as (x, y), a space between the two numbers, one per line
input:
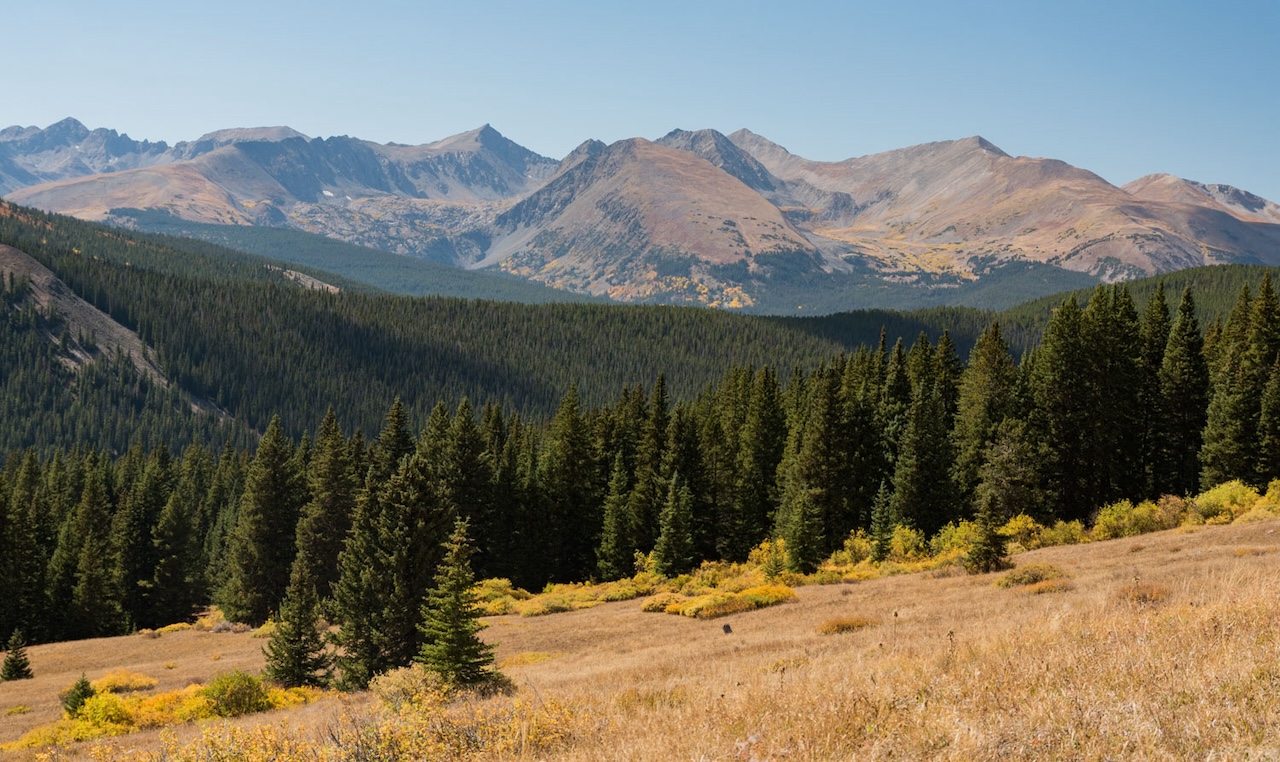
(697, 217)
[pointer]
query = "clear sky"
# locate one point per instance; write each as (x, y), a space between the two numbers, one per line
(1123, 88)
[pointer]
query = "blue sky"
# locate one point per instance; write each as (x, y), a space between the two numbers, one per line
(1123, 88)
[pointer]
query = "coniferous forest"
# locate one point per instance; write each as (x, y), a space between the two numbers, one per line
(126, 506)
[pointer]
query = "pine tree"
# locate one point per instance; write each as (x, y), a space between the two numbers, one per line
(617, 543)
(262, 545)
(882, 524)
(81, 691)
(16, 664)
(94, 609)
(296, 654)
(1153, 340)
(565, 476)
(988, 552)
(673, 554)
(1184, 389)
(175, 587)
(761, 441)
(1268, 465)
(326, 518)
(1009, 480)
(923, 494)
(451, 620)
(986, 397)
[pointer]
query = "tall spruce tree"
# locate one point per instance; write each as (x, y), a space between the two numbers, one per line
(1184, 389)
(986, 397)
(923, 494)
(262, 545)
(1153, 340)
(95, 602)
(673, 554)
(565, 475)
(617, 537)
(326, 518)
(451, 646)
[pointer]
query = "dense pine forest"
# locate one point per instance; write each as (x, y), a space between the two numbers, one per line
(566, 467)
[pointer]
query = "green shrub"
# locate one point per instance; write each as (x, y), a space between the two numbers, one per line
(237, 693)
(74, 697)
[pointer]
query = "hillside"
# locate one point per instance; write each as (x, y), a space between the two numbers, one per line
(948, 667)
(695, 217)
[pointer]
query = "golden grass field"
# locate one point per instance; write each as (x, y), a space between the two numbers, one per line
(1163, 646)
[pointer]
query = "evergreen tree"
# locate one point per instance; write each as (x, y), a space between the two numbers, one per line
(617, 543)
(1268, 465)
(1009, 481)
(565, 469)
(673, 554)
(16, 664)
(1184, 389)
(263, 545)
(81, 691)
(1153, 340)
(882, 524)
(326, 518)
(986, 397)
(411, 529)
(923, 495)
(988, 552)
(761, 441)
(451, 621)
(175, 588)
(1064, 411)
(296, 653)
(135, 554)
(648, 490)
(468, 483)
(94, 609)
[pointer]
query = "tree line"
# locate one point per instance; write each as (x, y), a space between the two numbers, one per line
(1112, 404)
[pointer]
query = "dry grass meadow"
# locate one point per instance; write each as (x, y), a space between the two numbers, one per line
(1163, 646)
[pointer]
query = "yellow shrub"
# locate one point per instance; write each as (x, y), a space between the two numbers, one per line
(106, 710)
(122, 681)
(1224, 502)
(175, 627)
(953, 537)
(1254, 514)
(212, 618)
(857, 548)
(1063, 533)
(906, 544)
(768, 595)
(1023, 530)
(265, 631)
(771, 558)
(658, 603)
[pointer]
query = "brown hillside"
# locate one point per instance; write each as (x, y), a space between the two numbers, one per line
(638, 220)
(80, 318)
(1163, 646)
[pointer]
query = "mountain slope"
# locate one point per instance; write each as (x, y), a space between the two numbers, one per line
(695, 217)
(637, 220)
(944, 204)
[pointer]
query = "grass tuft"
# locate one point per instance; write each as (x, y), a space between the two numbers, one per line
(1029, 575)
(846, 624)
